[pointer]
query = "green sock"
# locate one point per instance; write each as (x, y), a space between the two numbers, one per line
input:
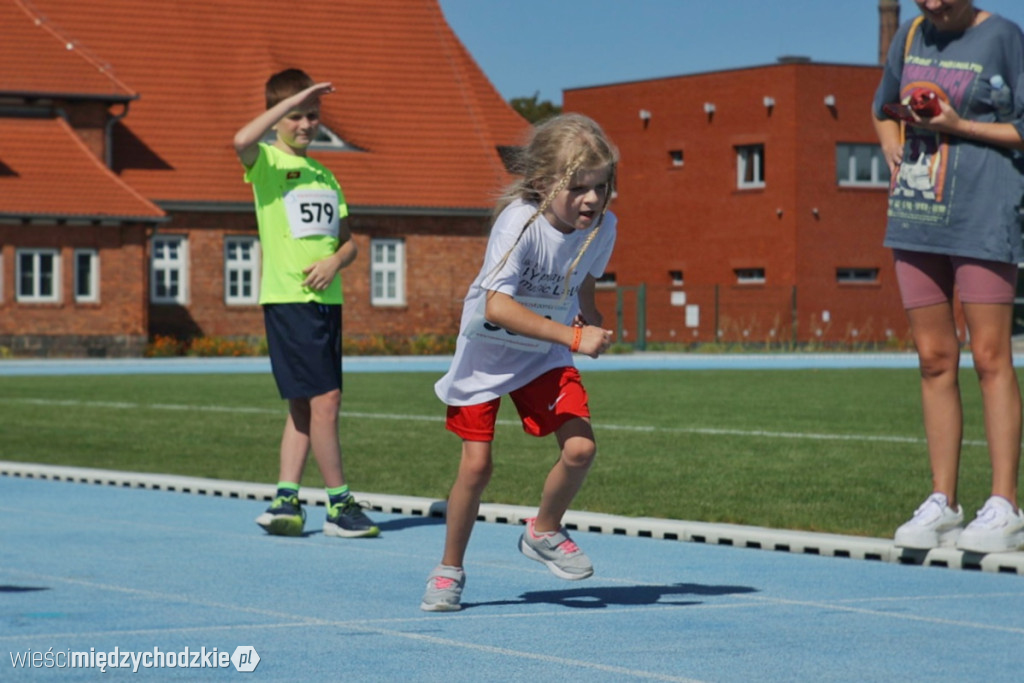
(338, 495)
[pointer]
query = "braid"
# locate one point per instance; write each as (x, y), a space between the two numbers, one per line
(593, 231)
(570, 171)
(571, 142)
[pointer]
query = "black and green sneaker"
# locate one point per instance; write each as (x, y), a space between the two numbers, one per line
(284, 517)
(347, 519)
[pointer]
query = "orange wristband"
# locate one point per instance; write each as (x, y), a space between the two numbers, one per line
(577, 337)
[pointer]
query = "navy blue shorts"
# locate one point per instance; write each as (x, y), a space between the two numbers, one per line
(304, 340)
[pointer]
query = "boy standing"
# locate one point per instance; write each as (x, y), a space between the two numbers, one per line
(306, 241)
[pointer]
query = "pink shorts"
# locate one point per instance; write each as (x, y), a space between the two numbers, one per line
(544, 405)
(927, 279)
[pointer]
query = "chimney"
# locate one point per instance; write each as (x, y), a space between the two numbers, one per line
(888, 22)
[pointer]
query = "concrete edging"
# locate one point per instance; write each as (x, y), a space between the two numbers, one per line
(740, 536)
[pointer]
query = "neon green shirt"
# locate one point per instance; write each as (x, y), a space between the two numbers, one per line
(299, 205)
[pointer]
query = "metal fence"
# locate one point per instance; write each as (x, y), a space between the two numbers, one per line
(762, 316)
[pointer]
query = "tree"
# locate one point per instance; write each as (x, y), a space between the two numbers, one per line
(532, 110)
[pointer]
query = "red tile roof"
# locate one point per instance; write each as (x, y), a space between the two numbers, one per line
(46, 171)
(407, 92)
(35, 57)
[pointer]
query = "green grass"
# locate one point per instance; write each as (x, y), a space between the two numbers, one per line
(824, 450)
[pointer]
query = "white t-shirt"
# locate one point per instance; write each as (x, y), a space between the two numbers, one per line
(490, 362)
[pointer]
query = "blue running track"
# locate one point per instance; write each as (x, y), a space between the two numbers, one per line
(166, 571)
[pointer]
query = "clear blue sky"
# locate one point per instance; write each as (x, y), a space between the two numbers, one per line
(547, 46)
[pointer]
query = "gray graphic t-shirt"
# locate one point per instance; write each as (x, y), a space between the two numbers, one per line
(953, 195)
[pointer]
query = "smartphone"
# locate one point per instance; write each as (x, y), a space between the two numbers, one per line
(900, 112)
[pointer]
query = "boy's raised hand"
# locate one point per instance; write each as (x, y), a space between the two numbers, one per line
(247, 138)
(310, 95)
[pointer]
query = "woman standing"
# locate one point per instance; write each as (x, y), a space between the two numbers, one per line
(954, 222)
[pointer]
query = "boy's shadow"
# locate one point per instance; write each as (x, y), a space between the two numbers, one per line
(392, 525)
(434, 516)
(410, 522)
(600, 597)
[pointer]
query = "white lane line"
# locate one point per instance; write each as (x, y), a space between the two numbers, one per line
(707, 431)
(293, 620)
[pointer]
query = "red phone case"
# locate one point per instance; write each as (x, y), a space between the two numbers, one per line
(925, 102)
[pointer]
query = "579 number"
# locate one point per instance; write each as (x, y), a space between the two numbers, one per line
(315, 212)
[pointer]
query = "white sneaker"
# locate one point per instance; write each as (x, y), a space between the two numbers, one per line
(933, 525)
(998, 528)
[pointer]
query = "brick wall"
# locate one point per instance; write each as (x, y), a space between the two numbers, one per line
(800, 227)
(443, 254)
(114, 325)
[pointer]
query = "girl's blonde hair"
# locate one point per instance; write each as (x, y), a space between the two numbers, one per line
(556, 151)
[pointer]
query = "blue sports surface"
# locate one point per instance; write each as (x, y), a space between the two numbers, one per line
(172, 577)
(102, 564)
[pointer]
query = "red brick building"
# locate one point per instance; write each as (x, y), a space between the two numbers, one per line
(752, 204)
(123, 213)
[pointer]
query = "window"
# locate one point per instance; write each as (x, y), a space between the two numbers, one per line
(168, 270)
(856, 275)
(606, 281)
(749, 276)
(241, 270)
(387, 272)
(675, 156)
(861, 165)
(87, 275)
(38, 275)
(750, 166)
(677, 277)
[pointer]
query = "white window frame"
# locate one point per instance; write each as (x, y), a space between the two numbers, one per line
(750, 276)
(387, 272)
(160, 264)
(607, 281)
(36, 296)
(238, 267)
(750, 158)
(91, 294)
(878, 170)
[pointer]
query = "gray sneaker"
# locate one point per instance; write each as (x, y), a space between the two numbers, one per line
(444, 590)
(557, 551)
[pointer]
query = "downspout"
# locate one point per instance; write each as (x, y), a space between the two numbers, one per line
(108, 136)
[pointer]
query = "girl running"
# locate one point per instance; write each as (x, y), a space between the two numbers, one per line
(528, 310)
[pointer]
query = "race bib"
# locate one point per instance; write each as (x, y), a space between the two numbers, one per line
(480, 329)
(312, 212)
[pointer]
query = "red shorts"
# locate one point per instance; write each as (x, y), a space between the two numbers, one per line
(928, 279)
(544, 405)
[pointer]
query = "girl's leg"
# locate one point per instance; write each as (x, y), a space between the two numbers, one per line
(938, 350)
(464, 500)
(990, 328)
(577, 446)
(295, 441)
(323, 435)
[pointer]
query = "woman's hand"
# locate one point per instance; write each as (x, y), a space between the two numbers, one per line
(946, 121)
